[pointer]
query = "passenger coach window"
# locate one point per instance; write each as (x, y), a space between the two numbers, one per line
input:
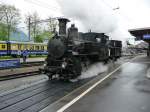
(42, 47)
(3, 46)
(19, 47)
(37, 47)
(25, 47)
(31, 47)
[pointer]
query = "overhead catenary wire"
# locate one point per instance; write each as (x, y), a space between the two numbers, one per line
(42, 5)
(46, 20)
(107, 4)
(116, 9)
(46, 4)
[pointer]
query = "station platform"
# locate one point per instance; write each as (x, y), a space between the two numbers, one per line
(125, 89)
(25, 68)
(30, 60)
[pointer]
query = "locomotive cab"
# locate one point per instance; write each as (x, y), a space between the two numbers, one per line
(115, 48)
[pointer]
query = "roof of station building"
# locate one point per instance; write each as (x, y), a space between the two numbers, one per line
(140, 32)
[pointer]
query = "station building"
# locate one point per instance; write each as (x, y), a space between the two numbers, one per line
(142, 34)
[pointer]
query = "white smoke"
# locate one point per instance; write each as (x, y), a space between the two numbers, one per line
(90, 13)
(94, 70)
(94, 15)
(148, 73)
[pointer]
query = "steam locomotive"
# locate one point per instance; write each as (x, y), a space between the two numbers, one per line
(69, 52)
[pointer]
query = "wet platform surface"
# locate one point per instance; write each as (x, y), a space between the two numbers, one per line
(127, 90)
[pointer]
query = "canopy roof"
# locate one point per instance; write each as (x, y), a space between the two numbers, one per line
(141, 33)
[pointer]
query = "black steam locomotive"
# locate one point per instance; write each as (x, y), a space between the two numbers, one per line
(69, 52)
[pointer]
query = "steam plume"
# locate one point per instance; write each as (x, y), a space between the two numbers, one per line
(94, 15)
(94, 70)
(90, 13)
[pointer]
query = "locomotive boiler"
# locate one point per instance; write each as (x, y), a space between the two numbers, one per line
(70, 51)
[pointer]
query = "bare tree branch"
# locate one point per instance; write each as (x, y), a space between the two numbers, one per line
(9, 16)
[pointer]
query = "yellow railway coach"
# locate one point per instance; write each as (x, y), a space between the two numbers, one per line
(3, 48)
(17, 48)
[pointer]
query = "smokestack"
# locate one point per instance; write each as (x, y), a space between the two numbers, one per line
(62, 26)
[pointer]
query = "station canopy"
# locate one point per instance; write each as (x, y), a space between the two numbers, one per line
(141, 33)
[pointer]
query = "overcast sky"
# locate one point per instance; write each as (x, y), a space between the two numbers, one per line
(131, 13)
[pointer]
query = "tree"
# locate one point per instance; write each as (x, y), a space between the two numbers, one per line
(10, 17)
(49, 29)
(52, 25)
(40, 29)
(33, 25)
(3, 32)
(45, 34)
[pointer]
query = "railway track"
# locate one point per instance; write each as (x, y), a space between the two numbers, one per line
(30, 64)
(19, 75)
(26, 69)
(37, 97)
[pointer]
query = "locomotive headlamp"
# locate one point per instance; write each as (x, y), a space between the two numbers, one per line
(64, 64)
(98, 39)
(45, 65)
(75, 53)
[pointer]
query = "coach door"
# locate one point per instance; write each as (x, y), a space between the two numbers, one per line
(8, 48)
